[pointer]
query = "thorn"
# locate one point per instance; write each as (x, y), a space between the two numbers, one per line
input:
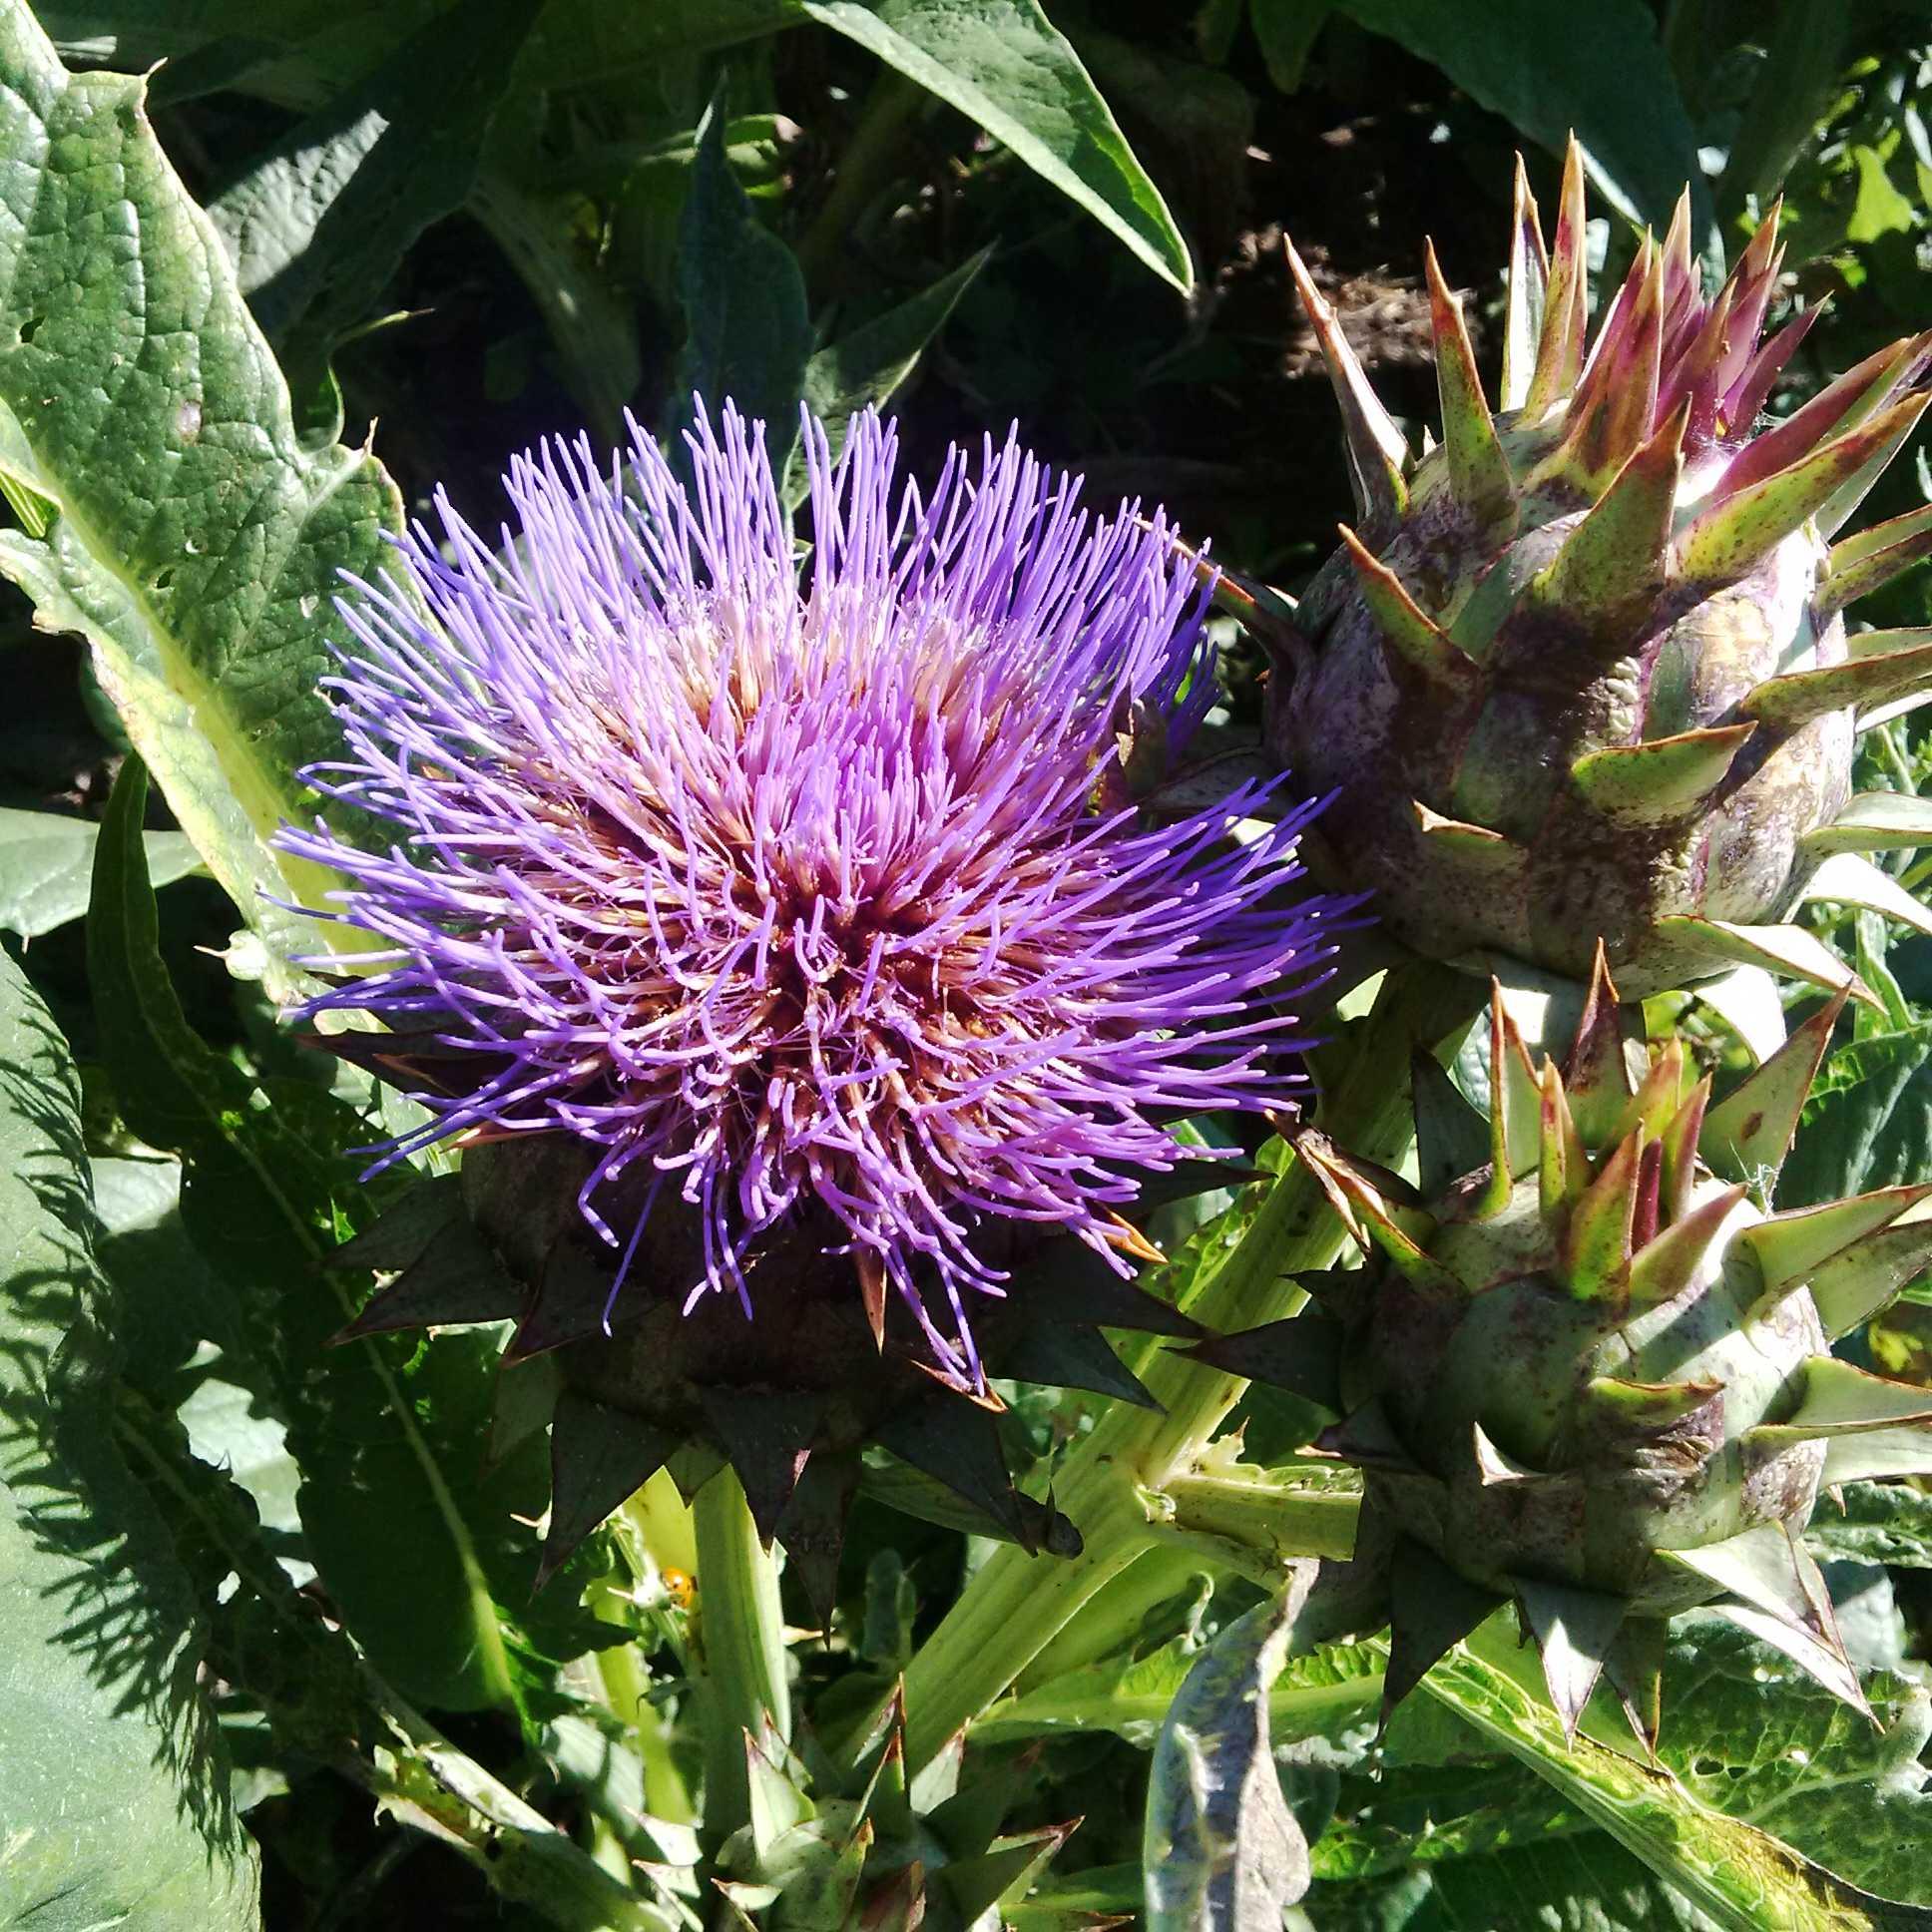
(1597, 1073)
(1563, 1172)
(870, 1271)
(1841, 406)
(1842, 1400)
(456, 1281)
(1479, 474)
(1574, 1630)
(1862, 564)
(1052, 1354)
(1856, 1283)
(768, 1436)
(1728, 538)
(599, 1457)
(1680, 1145)
(1379, 457)
(1634, 1666)
(1625, 1408)
(1662, 1268)
(1791, 951)
(1431, 1609)
(1790, 1247)
(1636, 787)
(1747, 1133)
(1753, 388)
(1606, 579)
(1886, 665)
(1415, 648)
(1875, 822)
(1529, 274)
(1595, 1251)
(1559, 355)
(1301, 1354)
(1610, 416)
(1513, 1080)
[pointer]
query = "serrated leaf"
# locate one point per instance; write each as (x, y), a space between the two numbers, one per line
(1749, 1733)
(1742, 1877)
(45, 860)
(115, 1807)
(1889, 1522)
(397, 1513)
(197, 543)
(317, 224)
(1867, 1124)
(1563, 1879)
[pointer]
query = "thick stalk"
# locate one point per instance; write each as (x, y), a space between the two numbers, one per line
(864, 166)
(1016, 1604)
(742, 1633)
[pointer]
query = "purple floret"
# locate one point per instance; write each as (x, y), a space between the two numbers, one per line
(813, 881)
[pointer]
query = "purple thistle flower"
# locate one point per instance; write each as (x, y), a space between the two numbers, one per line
(814, 884)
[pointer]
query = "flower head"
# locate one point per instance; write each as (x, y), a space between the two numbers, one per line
(811, 889)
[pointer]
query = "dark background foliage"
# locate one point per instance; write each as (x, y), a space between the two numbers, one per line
(469, 227)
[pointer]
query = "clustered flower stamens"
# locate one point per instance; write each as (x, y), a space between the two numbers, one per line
(814, 892)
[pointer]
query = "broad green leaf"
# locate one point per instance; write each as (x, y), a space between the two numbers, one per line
(115, 1808)
(1221, 1851)
(1583, 1883)
(45, 860)
(862, 368)
(1750, 1734)
(197, 543)
(1545, 72)
(1868, 1122)
(1744, 1878)
(1880, 209)
(1002, 64)
(1887, 1523)
(1789, 100)
(748, 329)
(170, 1304)
(999, 62)
(1287, 31)
(394, 1506)
(318, 225)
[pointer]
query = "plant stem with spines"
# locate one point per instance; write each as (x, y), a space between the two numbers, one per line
(1016, 1604)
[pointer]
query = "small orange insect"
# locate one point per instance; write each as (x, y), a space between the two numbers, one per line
(680, 1587)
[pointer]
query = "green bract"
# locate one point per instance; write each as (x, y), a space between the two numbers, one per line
(1584, 670)
(1585, 1370)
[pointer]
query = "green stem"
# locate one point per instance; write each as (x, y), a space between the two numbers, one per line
(1115, 1617)
(865, 162)
(740, 1632)
(1017, 1603)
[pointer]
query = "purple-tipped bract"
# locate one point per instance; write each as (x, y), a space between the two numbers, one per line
(813, 882)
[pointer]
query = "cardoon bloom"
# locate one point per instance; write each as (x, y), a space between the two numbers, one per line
(792, 885)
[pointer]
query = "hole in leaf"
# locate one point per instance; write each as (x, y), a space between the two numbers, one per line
(164, 577)
(30, 328)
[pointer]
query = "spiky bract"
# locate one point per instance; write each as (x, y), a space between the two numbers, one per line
(809, 903)
(1586, 1370)
(1584, 671)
